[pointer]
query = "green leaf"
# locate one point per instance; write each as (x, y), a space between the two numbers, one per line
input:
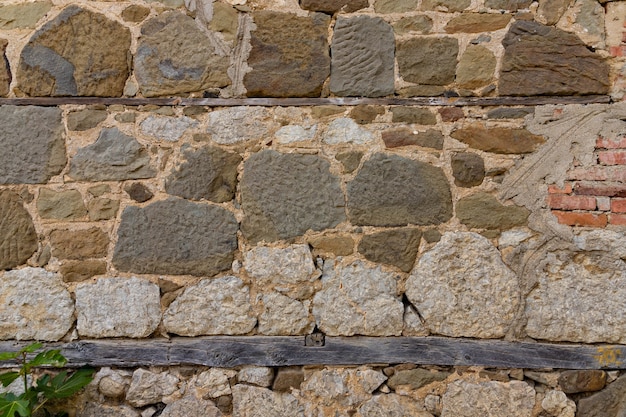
(48, 357)
(5, 356)
(10, 406)
(63, 386)
(33, 347)
(8, 377)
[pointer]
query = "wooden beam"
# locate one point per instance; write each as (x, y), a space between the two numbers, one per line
(338, 101)
(231, 351)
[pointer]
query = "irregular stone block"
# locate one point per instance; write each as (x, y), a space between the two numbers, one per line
(477, 22)
(77, 271)
(429, 61)
(344, 130)
(139, 192)
(114, 156)
(149, 387)
(512, 5)
(413, 115)
(135, 13)
(284, 316)
(363, 114)
(5, 70)
(395, 138)
(60, 205)
(102, 209)
(269, 174)
(342, 387)
(78, 53)
(174, 56)
(606, 403)
(167, 128)
(572, 382)
(97, 410)
(396, 247)
(214, 383)
(249, 401)
(340, 245)
(206, 173)
(395, 6)
(35, 306)
(451, 114)
(332, 6)
(260, 376)
(225, 20)
(498, 139)
(287, 378)
(468, 399)
(118, 307)
(510, 113)
(476, 67)
(415, 378)
(468, 169)
(289, 55)
(295, 133)
(200, 242)
(32, 152)
(420, 23)
(556, 403)
(446, 5)
(191, 406)
(350, 160)
(358, 299)
(79, 244)
(18, 238)
(484, 211)
(413, 325)
(25, 15)
(542, 60)
(237, 124)
(211, 307)
(85, 119)
(463, 289)
(362, 57)
(391, 405)
(550, 11)
(588, 17)
(390, 190)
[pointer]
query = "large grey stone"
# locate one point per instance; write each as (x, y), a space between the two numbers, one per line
(35, 305)
(462, 288)
(237, 124)
(249, 401)
(362, 57)
(201, 241)
(191, 406)
(167, 128)
(174, 56)
(206, 173)
(289, 55)
(429, 61)
(114, 156)
(33, 151)
(396, 247)
(391, 405)
(211, 307)
(610, 402)
(18, 238)
(284, 195)
(118, 307)
(342, 387)
(480, 399)
(78, 53)
(150, 387)
(390, 190)
(284, 316)
(358, 299)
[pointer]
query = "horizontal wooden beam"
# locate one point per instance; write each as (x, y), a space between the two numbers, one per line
(231, 351)
(338, 101)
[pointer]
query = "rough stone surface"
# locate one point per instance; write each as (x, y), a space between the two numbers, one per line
(364, 114)
(295, 133)
(18, 238)
(287, 378)
(447, 5)
(395, 138)
(225, 20)
(414, 115)
(135, 13)
(500, 140)
(484, 211)
(413, 325)
(477, 22)
(572, 382)
(390, 190)
(100, 316)
(77, 271)
(357, 299)
(541, 60)
(237, 124)
(256, 375)
(468, 169)
(5, 70)
(463, 289)
(176, 237)
(396, 247)
(25, 15)
(594, 315)
(391, 405)
(420, 23)
(31, 152)
(85, 119)
(79, 244)
(167, 128)
(345, 130)
(342, 387)
(78, 53)
(60, 205)
(512, 5)
(174, 56)
(429, 61)
(207, 173)
(114, 156)
(211, 307)
(588, 17)
(339, 245)
(550, 11)
(97, 410)
(362, 57)
(606, 403)
(190, 406)
(289, 55)
(269, 174)
(395, 6)
(138, 192)
(476, 67)
(249, 401)
(102, 209)
(451, 114)
(350, 160)
(213, 383)
(510, 113)
(35, 305)
(557, 404)
(467, 399)
(284, 316)
(149, 387)
(415, 378)
(332, 6)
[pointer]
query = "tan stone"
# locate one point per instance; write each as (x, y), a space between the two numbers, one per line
(476, 67)
(498, 139)
(135, 13)
(79, 244)
(5, 71)
(102, 209)
(25, 15)
(77, 271)
(60, 205)
(477, 22)
(18, 238)
(340, 245)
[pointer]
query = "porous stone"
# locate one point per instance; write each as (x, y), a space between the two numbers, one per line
(78, 53)
(350, 160)
(112, 383)
(462, 288)
(295, 133)
(35, 306)
(363, 114)
(60, 205)
(468, 169)
(358, 299)
(249, 401)
(289, 55)
(237, 124)
(85, 119)
(476, 67)
(211, 307)
(284, 316)
(395, 138)
(391, 405)
(510, 113)
(213, 383)
(542, 60)
(99, 307)
(190, 406)
(607, 403)
(429, 61)
(593, 315)
(287, 378)
(92, 409)
(102, 209)
(390, 190)
(268, 174)
(413, 325)
(500, 140)
(167, 128)
(588, 17)
(572, 382)
(395, 6)
(256, 375)
(18, 238)
(32, 152)
(477, 22)
(484, 211)
(396, 247)
(320, 112)
(149, 387)
(77, 271)
(557, 404)
(79, 244)
(451, 114)
(339, 245)
(200, 242)
(225, 20)
(550, 11)
(138, 192)
(206, 173)
(415, 378)
(174, 56)
(25, 15)
(343, 387)
(413, 115)
(446, 5)
(362, 57)
(345, 130)
(135, 13)
(511, 5)
(5, 70)
(114, 156)
(492, 398)
(420, 23)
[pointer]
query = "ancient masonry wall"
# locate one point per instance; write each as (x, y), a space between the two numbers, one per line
(126, 215)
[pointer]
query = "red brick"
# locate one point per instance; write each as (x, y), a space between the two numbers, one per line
(571, 202)
(612, 157)
(580, 219)
(617, 143)
(618, 219)
(598, 173)
(617, 50)
(600, 189)
(554, 189)
(618, 205)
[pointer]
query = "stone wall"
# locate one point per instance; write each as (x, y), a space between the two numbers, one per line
(405, 215)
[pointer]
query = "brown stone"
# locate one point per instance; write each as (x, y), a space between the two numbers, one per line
(477, 22)
(395, 138)
(572, 382)
(287, 378)
(85, 119)
(332, 6)
(60, 205)
(340, 245)
(18, 239)
(448, 5)
(364, 114)
(429, 61)
(350, 160)
(290, 55)
(320, 112)
(415, 378)
(550, 11)
(102, 209)
(397, 247)
(24, 15)
(139, 192)
(451, 114)
(135, 13)
(5, 70)
(413, 115)
(225, 20)
(420, 23)
(484, 211)
(77, 271)
(610, 402)
(476, 67)
(468, 169)
(512, 5)
(498, 139)
(79, 244)
(542, 60)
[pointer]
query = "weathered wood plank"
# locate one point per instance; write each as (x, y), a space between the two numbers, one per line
(339, 101)
(228, 351)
